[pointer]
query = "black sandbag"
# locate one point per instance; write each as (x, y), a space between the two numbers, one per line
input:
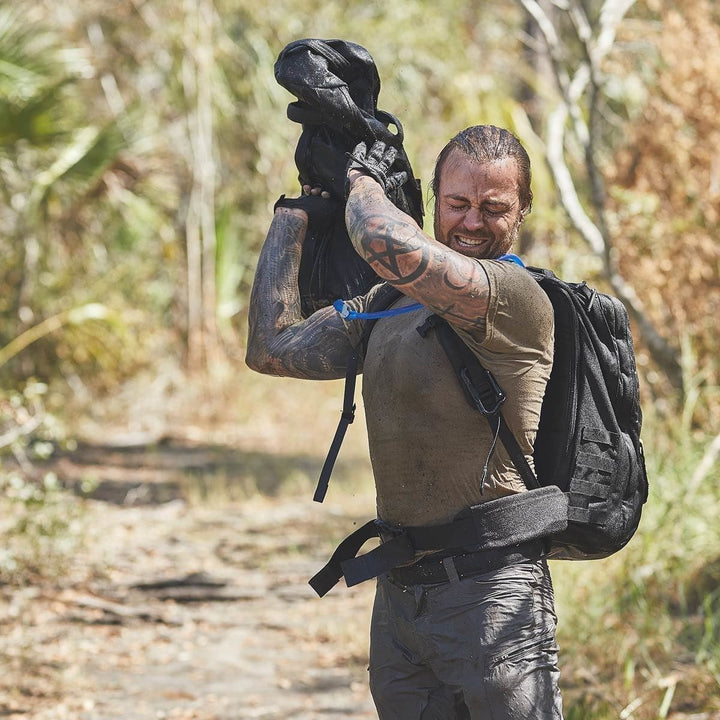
(336, 84)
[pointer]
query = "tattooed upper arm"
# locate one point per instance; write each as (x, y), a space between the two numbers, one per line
(280, 341)
(317, 348)
(454, 286)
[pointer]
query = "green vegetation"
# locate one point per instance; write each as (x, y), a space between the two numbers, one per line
(640, 631)
(141, 148)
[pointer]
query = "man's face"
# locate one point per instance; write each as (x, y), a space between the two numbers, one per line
(477, 208)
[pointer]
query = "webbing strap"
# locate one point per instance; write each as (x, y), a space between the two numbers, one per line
(590, 489)
(328, 577)
(487, 396)
(587, 516)
(384, 298)
(499, 523)
(399, 551)
(599, 435)
(596, 462)
(347, 416)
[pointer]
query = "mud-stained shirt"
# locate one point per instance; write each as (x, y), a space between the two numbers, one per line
(427, 445)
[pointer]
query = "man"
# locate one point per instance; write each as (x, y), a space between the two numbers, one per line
(462, 632)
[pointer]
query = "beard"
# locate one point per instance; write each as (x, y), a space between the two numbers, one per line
(489, 248)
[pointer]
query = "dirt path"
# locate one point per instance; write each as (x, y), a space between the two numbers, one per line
(181, 610)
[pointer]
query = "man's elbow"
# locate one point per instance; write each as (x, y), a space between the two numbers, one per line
(259, 362)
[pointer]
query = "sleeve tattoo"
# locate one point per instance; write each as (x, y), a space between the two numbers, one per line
(280, 340)
(454, 286)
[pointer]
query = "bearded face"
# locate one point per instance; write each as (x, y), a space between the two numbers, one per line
(477, 207)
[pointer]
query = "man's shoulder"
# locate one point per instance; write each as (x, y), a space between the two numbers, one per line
(511, 274)
(520, 313)
(515, 288)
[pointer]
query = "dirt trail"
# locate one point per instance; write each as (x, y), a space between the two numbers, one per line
(182, 610)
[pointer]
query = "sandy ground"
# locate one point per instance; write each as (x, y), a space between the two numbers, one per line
(180, 610)
(188, 600)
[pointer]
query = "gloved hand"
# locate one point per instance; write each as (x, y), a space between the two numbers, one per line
(377, 164)
(320, 208)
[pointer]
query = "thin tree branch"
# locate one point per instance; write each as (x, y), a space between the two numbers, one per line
(572, 87)
(712, 452)
(27, 428)
(200, 222)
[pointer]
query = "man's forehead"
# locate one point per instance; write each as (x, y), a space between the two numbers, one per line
(462, 173)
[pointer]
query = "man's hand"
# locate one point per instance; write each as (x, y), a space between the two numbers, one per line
(377, 164)
(321, 210)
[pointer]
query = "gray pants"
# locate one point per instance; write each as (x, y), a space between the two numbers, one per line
(482, 648)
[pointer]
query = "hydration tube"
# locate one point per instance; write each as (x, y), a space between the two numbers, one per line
(509, 257)
(346, 313)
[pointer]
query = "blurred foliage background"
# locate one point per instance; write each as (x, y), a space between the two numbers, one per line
(143, 143)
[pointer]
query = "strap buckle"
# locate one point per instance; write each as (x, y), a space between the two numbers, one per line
(349, 415)
(486, 408)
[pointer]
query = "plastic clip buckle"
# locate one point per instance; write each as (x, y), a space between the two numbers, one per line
(349, 416)
(475, 395)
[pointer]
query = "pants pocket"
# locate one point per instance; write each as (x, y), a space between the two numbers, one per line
(521, 679)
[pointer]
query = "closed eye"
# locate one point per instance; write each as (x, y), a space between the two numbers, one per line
(495, 210)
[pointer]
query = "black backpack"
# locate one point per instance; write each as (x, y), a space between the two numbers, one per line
(588, 443)
(337, 86)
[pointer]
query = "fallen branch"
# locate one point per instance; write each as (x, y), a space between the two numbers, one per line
(114, 609)
(196, 587)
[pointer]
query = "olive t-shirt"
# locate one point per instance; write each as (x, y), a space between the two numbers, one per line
(427, 445)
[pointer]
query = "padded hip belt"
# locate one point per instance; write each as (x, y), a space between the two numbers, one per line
(501, 523)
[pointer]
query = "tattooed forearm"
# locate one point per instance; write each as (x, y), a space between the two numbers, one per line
(388, 239)
(453, 285)
(276, 273)
(394, 253)
(280, 341)
(315, 349)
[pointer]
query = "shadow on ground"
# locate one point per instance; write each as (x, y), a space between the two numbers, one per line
(172, 469)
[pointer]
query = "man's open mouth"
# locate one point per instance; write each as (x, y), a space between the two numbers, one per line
(469, 242)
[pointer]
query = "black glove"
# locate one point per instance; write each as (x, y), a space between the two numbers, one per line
(377, 164)
(321, 211)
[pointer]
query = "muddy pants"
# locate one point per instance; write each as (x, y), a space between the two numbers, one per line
(481, 648)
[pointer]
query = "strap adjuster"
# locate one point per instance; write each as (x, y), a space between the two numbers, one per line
(348, 415)
(474, 395)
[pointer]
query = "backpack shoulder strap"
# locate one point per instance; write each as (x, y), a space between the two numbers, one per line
(481, 391)
(384, 297)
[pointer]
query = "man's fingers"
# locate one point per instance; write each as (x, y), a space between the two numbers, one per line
(383, 155)
(317, 190)
(377, 150)
(396, 180)
(360, 150)
(376, 164)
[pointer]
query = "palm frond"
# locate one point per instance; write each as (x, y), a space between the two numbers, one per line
(27, 57)
(80, 164)
(38, 120)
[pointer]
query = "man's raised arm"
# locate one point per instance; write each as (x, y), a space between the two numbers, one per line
(280, 341)
(453, 285)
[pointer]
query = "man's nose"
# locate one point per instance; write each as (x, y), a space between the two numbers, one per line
(474, 219)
